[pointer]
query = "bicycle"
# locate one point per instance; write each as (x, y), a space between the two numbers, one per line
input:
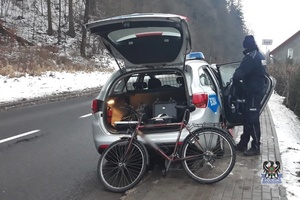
(207, 154)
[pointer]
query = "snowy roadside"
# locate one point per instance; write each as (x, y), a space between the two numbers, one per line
(50, 83)
(287, 126)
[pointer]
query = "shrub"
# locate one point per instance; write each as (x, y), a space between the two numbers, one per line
(294, 94)
(278, 72)
(288, 80)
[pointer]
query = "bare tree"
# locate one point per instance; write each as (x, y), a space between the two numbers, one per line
(5, 5)
(59, 23)
(34, 19)
(71, 31)
(50, 28)
(2, 6)
(42, 10)
(84, 32)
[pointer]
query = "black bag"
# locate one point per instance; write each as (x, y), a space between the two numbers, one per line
(236, 99)
(164, 112)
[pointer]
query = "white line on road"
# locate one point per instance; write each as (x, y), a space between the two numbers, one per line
(84, 116)
(18, 136)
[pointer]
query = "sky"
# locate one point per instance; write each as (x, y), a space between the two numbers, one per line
(287, 125)
(272, 19)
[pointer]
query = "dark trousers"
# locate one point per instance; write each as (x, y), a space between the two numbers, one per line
(251, 121)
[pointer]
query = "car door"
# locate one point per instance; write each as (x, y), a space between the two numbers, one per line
(233, 105)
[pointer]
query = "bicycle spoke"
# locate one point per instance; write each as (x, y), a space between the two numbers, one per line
(217, 155)
(121, 168)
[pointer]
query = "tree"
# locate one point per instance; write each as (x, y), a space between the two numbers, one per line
(50, 29)
(59, 23)
(71, 31)
(84, 32)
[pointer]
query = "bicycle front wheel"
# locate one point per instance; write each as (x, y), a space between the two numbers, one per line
(209, 155)
(121, 167)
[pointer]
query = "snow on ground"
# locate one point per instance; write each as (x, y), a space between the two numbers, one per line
(12, 89)
(287, 125)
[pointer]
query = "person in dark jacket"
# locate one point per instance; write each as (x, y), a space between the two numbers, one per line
(251, 76)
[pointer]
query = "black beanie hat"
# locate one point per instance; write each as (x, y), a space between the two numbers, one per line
(249, 42)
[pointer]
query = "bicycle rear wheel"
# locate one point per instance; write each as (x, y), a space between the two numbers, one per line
(210, 155)
(119, 171)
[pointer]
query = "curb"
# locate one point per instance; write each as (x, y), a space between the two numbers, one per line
(273, 130)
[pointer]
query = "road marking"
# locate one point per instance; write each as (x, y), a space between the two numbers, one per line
(18, 136)
(84, 116)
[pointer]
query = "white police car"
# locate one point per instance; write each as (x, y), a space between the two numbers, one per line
(158, 71)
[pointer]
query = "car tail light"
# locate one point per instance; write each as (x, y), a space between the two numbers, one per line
(102, 148)
(200, 100)
(95, 106)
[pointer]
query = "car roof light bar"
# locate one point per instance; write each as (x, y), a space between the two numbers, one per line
(195, 56)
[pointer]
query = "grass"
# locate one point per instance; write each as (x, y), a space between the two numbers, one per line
(35, 60)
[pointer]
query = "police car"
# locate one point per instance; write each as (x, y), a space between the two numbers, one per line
(157, 71)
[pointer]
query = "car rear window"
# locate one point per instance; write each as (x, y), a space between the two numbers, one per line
(148, 44)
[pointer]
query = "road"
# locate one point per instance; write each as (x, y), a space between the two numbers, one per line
(55, 158)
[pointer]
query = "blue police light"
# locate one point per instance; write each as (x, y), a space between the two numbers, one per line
(195, 56)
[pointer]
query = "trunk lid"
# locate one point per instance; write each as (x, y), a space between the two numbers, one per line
(145, 40)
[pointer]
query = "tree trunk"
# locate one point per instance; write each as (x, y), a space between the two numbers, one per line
(71, 31)
(2, 7)
(84, 33)
(50, 29)
(59, 23)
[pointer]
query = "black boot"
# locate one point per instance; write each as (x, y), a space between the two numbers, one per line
(252, 152)
(240, 148)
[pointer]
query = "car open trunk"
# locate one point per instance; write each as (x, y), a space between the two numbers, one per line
(160, 93)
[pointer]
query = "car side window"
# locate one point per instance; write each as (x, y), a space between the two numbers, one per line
(119, 86)
(206, 79)
(132, 83)
(226, 72)
(125, 84)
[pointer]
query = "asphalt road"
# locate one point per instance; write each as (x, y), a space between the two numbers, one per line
(56, 159)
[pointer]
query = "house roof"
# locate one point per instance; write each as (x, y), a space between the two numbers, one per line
(285, 42)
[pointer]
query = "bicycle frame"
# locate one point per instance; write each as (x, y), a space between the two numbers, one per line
(174, 156)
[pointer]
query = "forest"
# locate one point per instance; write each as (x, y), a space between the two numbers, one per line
(43, 35)
(217, 26)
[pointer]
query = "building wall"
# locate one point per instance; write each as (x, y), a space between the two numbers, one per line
(280, 55)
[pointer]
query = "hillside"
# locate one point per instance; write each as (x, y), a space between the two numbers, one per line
(217, 29)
